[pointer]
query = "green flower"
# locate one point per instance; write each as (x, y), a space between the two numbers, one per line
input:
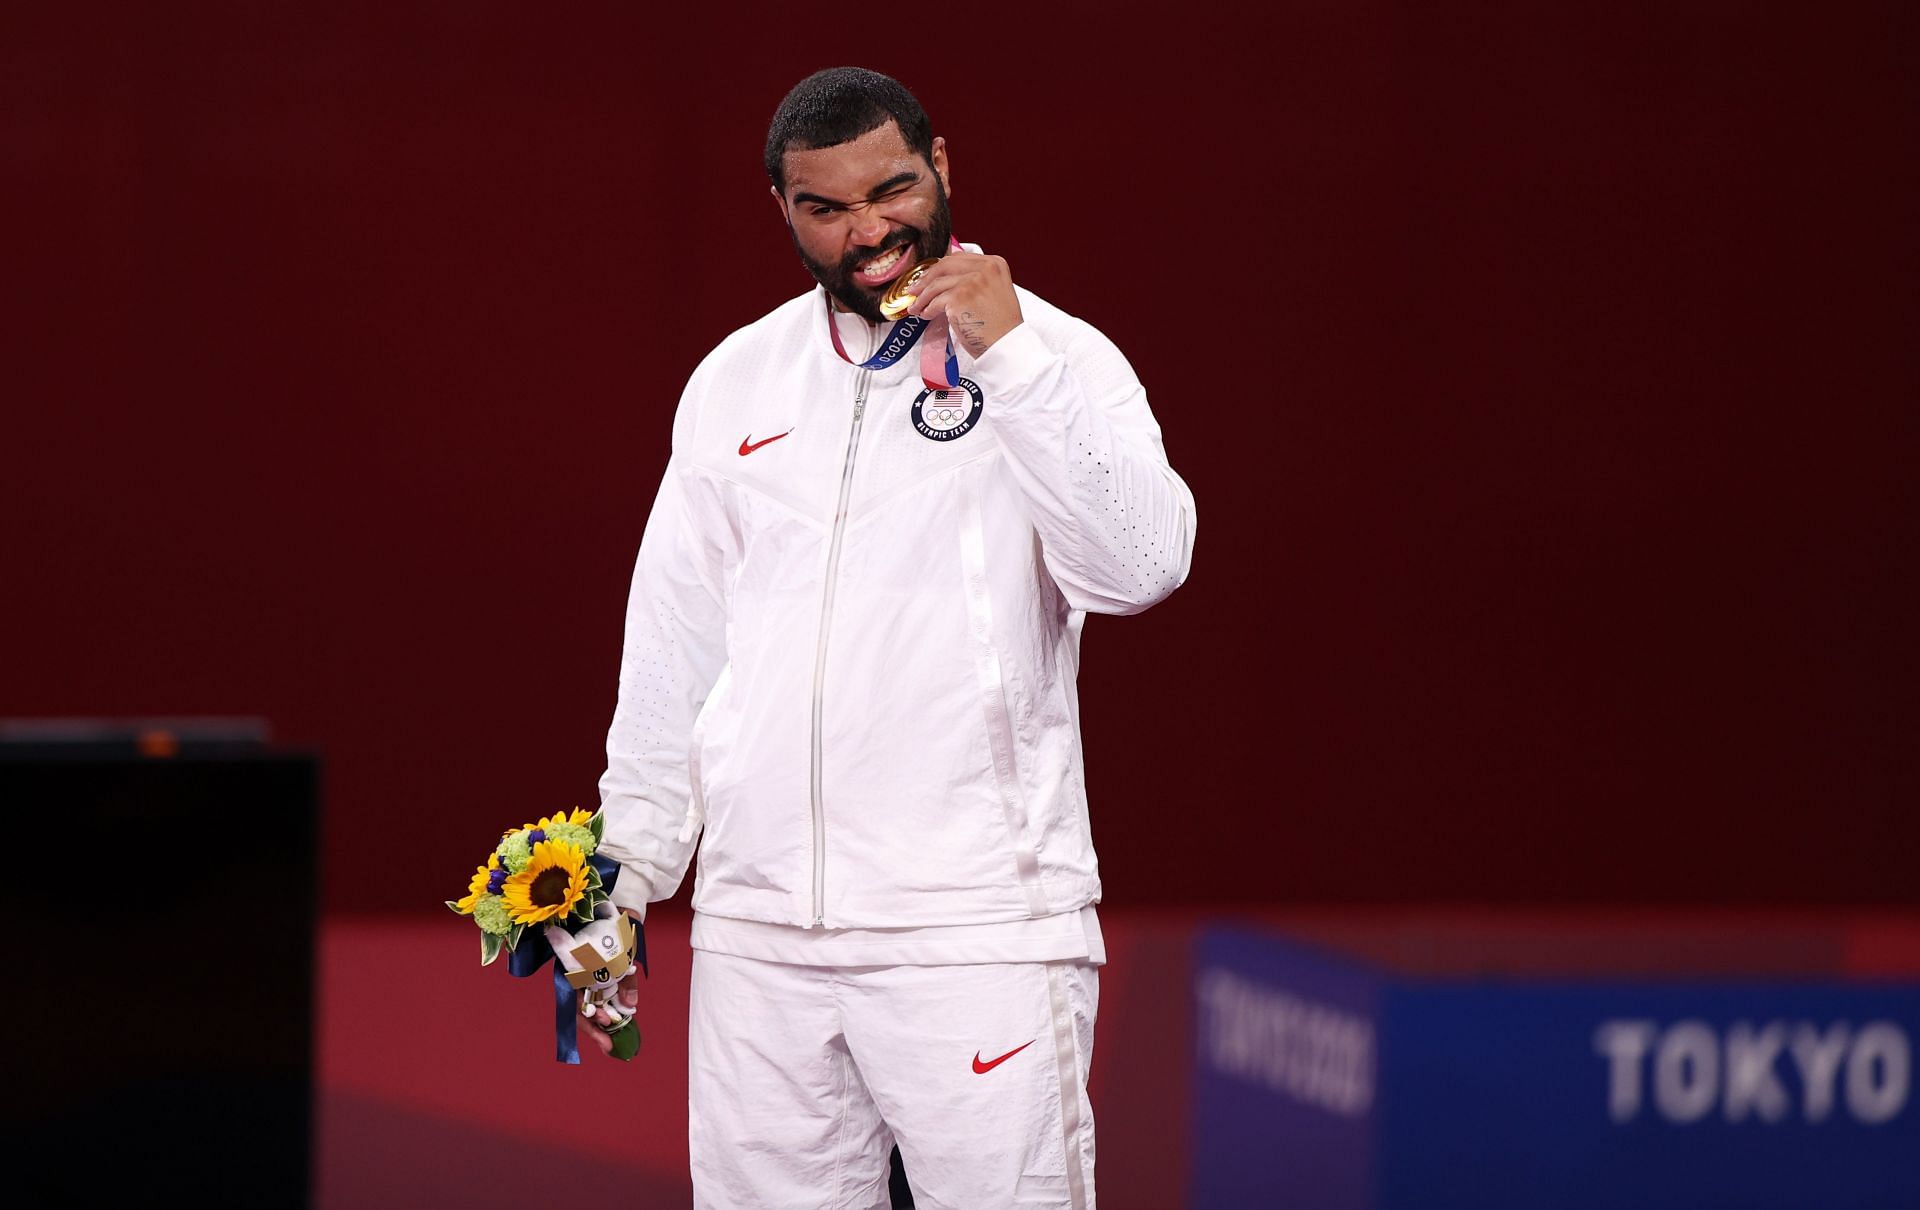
(515, 852)
(581, 838)
(491, 915)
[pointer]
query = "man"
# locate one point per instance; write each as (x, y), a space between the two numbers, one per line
(849, 670)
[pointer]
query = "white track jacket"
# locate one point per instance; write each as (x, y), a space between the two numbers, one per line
(853, 632)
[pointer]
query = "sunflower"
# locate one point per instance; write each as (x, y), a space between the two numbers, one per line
(551, 884)
(480, 884)
(578, 818)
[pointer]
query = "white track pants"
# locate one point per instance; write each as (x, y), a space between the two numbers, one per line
(801, 1079)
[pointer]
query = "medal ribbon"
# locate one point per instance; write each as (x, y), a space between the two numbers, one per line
(938, 372)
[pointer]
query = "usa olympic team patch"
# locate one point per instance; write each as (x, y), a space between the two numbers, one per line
(945, 415)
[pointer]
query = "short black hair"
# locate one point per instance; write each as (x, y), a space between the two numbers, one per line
(838, 105)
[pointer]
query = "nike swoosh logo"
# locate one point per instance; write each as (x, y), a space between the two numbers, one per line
(748, 444)
(981, 1069)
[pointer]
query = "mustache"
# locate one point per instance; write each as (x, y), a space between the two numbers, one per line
(905, 237)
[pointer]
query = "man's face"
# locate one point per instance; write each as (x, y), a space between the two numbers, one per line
(864, 212)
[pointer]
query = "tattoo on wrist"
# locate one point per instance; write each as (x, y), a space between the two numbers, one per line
(971, 334)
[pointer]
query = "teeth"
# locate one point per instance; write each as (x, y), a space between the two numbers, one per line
(880, 264)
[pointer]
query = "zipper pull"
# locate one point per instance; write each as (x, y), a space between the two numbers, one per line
(859, 408)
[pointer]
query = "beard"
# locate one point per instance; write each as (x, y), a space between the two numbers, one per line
(862, 300)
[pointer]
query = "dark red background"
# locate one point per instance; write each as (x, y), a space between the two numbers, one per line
(1546, 377)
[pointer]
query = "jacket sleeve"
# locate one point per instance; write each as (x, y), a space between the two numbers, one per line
(674, 651)
(1115, 522)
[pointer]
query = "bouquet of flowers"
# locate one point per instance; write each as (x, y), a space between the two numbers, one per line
(543, 893)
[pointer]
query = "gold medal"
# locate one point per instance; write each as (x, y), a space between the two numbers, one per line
(899, 296)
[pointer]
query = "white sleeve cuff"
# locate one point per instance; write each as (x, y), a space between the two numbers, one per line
(1017, 357)
(630, 892)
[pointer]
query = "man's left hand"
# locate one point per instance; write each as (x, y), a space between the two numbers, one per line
(975, 293)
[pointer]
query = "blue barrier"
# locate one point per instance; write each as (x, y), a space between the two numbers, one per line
(1328, 1084)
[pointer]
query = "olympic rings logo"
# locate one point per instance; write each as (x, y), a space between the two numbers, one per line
(944, 415)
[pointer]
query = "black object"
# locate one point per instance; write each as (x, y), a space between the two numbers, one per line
(145, 1062)
(897, 1186)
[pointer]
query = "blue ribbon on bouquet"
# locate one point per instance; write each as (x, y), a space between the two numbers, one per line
(533, 952)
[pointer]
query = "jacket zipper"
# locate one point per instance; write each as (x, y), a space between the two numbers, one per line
(820, 651)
